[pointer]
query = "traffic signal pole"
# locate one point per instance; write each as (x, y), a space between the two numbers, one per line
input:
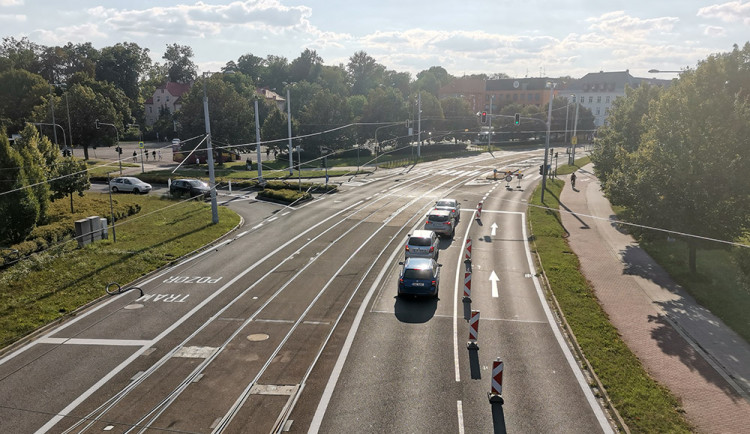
(546, 142)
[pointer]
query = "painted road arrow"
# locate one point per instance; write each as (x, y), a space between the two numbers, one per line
(494, 279)
(494, 229)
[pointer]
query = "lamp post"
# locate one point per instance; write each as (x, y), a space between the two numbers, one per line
(289, 129)
(546, 142)
(210, 156)
(257, 144)
(52, 104)
(53, 128)
(419, 125)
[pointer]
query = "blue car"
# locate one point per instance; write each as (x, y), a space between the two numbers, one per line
(419, 276)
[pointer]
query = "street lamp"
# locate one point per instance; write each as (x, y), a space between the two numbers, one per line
(546, 142)
(53, 128)
(289, 127)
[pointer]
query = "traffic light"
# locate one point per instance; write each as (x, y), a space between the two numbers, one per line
(541, 169)
(517, 120)
(484, 117)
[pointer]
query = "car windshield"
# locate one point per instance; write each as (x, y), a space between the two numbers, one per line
(197, 183)
(445, 203)
(421, 274)
(438, 218)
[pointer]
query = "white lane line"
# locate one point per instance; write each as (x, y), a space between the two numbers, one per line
(242, 234)
(107, 342)
(528, 321)
(102, 381)
(272, 219)
(257, 226)
(460, 411)
(598, 412)
(285, 213)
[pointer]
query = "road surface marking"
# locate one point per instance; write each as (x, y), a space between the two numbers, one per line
(110, 342)
(460, 410)
(494, 279)
(494, 229)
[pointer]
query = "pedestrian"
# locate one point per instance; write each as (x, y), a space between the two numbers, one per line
(153, 154)
(146, 155)
(159, 154)
(573, 180)
(135, 157)
(268, 152)
(249, 163)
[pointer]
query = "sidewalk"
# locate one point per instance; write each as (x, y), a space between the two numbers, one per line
(681, 344)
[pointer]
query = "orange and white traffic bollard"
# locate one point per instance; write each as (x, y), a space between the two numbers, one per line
(479, 210)
(473, 330)
(467, 252)
(496, 390)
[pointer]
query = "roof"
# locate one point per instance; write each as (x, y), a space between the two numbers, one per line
(418, 263)
(614, 81)
(422, 233)
(511, 84)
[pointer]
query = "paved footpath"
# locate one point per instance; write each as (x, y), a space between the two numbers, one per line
(681, 344)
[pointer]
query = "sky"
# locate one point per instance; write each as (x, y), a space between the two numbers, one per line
(526, 38)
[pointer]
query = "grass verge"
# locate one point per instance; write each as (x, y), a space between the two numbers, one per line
(53, 283)
(644, 405)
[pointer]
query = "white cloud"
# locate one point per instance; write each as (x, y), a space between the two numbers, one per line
(714, 31)
(201, 19)
(9, 17)
(4, 3)
(61, 36)
(728, 12)
(631, 28)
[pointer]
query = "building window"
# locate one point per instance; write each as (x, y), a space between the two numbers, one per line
(591, 100)
(536, 97)
(158, 98)
(150, 109)
(515, 97)
(607, 99)
(599, 99)
(574, 99)
(598, 111)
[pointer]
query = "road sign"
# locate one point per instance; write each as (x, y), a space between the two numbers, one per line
(574, 140)
(141, 145)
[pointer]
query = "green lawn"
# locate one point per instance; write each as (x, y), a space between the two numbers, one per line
(49, 285)
(644, 405)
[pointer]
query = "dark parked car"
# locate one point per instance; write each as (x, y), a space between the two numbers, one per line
(419, 276)
(193, 187)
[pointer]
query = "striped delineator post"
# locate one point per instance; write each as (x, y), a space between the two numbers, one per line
(479, 210)
(467, 252)
(496, 390)
(467, 285)
(473, 330)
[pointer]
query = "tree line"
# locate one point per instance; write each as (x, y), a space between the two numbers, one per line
(678, 158)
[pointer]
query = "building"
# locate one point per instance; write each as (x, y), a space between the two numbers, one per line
(270, 95)
(597, 91)
(482, 94)
(168, 96)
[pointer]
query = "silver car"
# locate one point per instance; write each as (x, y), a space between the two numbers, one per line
(441, 222)
(451, 205)
(129, 184)
(422, 244)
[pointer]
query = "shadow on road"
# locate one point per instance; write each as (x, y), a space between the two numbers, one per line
(414, 310)
(498, 419)
(476, 372)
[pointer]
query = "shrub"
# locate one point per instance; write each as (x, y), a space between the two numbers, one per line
(287, 196)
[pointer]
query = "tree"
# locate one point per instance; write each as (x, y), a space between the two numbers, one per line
(72, 177)
(623, 131)
(364, 73)
(35, 150)
(383, 105)
(275, 127)
(20, 54)
(334, 78)
(122, 65)
(20, 92)
(459, 117)
(687, 172)
(18, 204)
(306, 67)
(398, 80)
(275, 73)
(180, 67)
(230, 113)
(251, 65)
(326, 112)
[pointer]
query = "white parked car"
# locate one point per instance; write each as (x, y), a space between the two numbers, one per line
(129, 184)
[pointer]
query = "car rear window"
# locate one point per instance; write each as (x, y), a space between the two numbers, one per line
(444, 203)
(417, 274)
(419, 241)
(438, 218)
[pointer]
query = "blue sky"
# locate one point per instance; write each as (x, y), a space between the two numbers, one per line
(521, 38)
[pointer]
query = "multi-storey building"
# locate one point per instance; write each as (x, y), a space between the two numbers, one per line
(167, 97)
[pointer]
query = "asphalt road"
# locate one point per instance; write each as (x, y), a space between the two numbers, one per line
(292, 324)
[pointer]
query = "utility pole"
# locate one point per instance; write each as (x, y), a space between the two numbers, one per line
(257, 143)
(289, 128)
(546, 142)
(419, 124)
(210, 157)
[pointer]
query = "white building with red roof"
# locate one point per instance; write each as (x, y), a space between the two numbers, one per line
(167, 96)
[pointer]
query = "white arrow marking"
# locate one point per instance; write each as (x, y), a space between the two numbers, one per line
(494, 279)
(494, 229)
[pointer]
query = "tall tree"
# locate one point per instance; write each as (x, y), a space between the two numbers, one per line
(20, 92)
(21, 54)
(306, 67)
(122, 65)
(275, 73)
(327, 111)
(180, 67)
(32, 150)
(364, 73)
(18, 204)
(251, 65)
